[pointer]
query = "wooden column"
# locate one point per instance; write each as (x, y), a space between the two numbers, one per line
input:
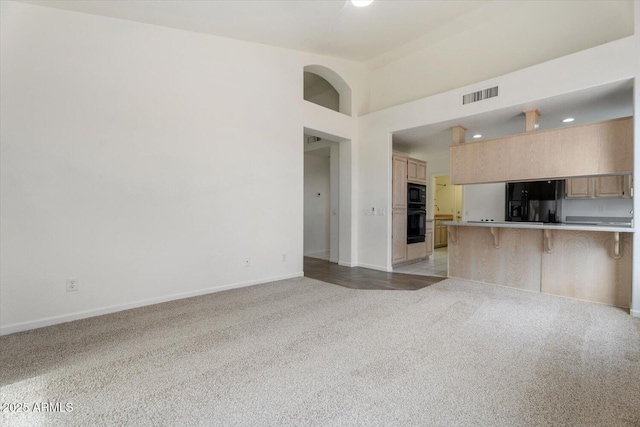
(459, 135)
(531, 120)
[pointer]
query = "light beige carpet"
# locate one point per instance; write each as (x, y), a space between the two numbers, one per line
(303, 352)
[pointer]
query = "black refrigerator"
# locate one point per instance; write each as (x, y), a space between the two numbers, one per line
(534, 201)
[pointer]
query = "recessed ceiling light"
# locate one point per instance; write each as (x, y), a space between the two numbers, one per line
(477, 135)
(568, 120)
(361, 3)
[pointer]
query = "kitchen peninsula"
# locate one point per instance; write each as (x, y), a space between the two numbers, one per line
(591, 261)
(587, 262)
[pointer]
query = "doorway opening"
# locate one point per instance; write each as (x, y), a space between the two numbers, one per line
(321, 198)
(446, 199)
(447, 206)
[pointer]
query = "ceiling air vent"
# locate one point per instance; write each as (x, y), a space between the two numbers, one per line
(480, 95)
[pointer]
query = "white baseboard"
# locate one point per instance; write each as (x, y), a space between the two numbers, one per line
(346, 264)
(55, 320)
(376, 267)
(333, 260)
(635, 313)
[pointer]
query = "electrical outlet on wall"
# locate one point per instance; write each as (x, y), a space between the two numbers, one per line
(72, 284)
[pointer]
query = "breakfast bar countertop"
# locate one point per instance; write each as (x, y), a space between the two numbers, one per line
(546, 226)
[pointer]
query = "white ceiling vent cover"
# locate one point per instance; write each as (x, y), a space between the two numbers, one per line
(480, 95)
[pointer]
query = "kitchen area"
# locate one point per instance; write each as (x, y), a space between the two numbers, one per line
(568, 237)
(548, 208)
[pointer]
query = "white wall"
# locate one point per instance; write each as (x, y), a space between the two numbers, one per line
(317, 205)
(147, 162)
(484, 202)
(499, 38)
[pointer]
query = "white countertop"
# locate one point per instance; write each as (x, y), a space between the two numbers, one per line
(543, 226)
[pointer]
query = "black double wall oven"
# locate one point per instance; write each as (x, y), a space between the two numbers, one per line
(416, 212)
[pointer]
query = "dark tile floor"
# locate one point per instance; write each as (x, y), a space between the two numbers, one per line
(364, 278)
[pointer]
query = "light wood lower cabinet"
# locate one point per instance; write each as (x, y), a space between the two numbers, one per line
(399, 236)
(416, 251)
(440, 232)
(428, 237)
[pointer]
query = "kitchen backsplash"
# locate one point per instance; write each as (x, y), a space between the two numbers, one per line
(597, 207)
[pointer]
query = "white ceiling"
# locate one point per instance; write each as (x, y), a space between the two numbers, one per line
(329, 27)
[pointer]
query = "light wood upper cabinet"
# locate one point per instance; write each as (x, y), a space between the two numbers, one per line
(428, 238)
(416, 171)
(600, 187)
(602, 148)
(399, 185)
(579, 188)
(609, 186)
(627, 186)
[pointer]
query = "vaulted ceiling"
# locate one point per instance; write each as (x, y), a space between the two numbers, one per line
(329, 27)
